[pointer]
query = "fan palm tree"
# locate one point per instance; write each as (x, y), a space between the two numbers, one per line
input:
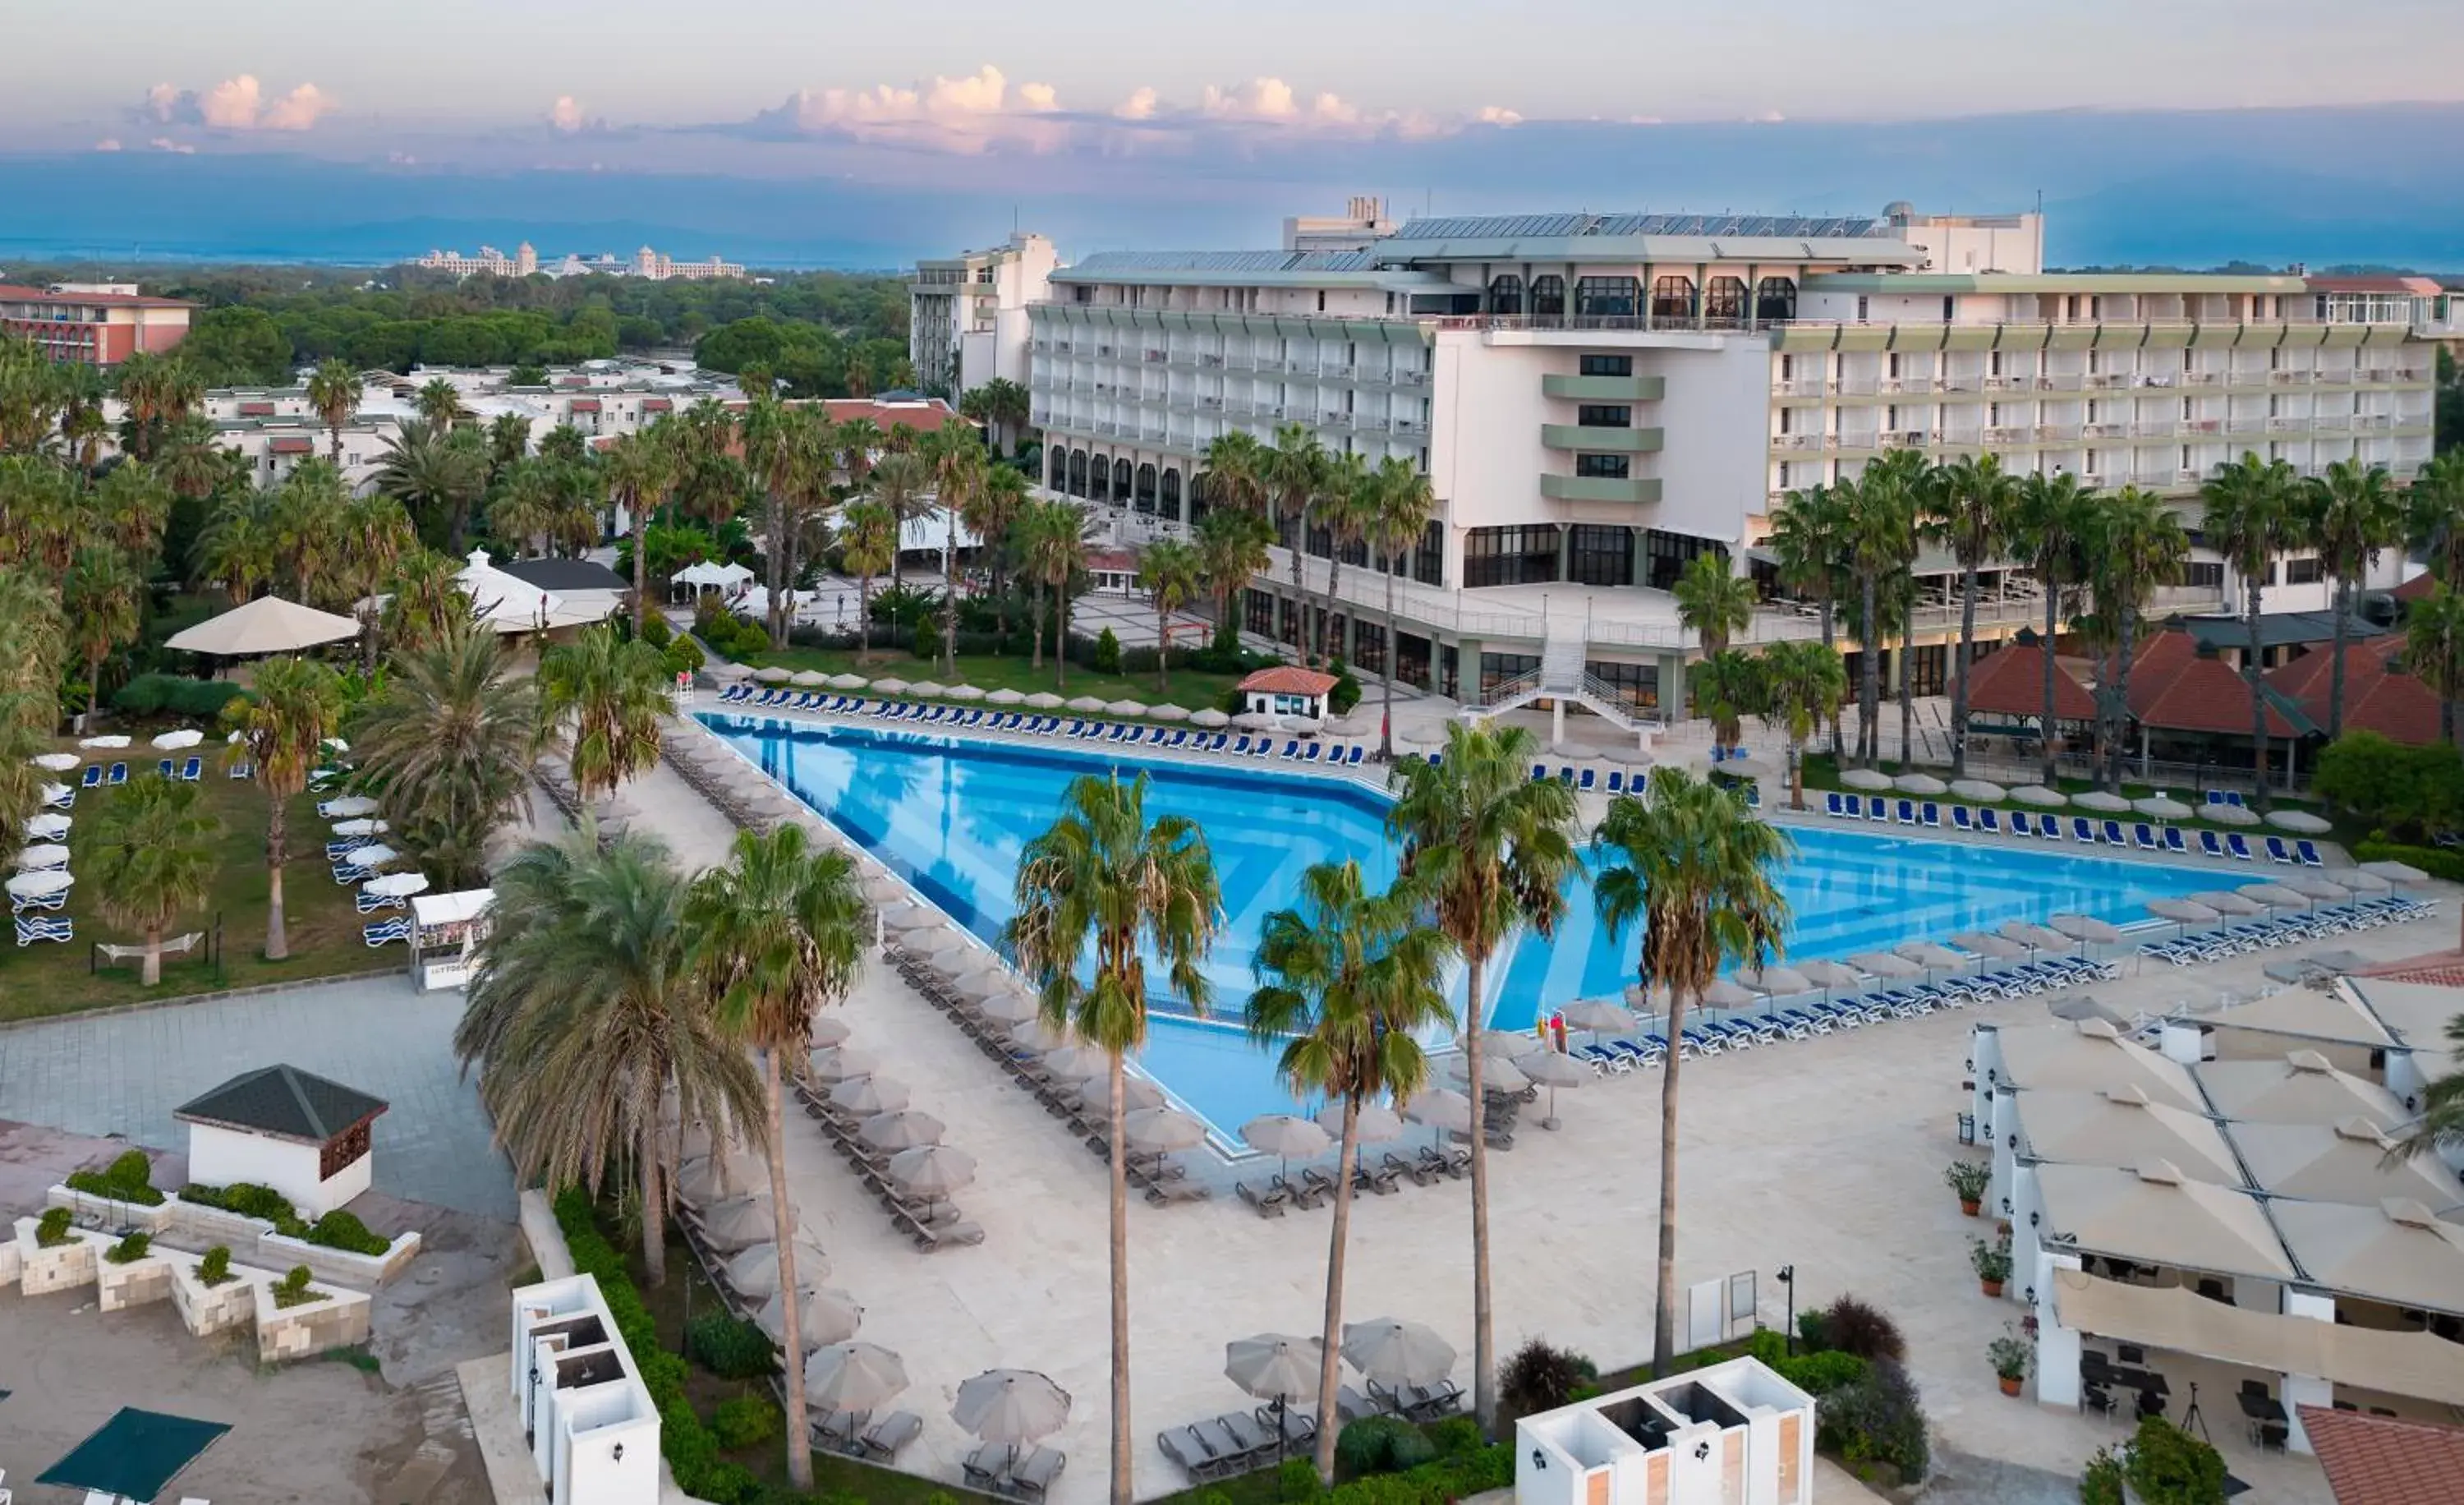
(1235, 472)
(2435, 515)
(235, 549)
(990, 513)
(158, 390)
(2350, 513)
(2049, 517)
(867, 544)
(641, 470)
(956, 454)
(1053, 548)
(524, 511)
(150, 855)
(1348, 983)
(771, 453)
(333, 391)
(438, 403)
(2138, 545)
(1969, 511)
(41, 507)
(1297, 473)
(1493, 851)
(424, 600)
(902, 482)
(131, 506)
(283, 721)
(1803, 684)
(190, 461)
(1726, 687)
(584, 1012)
(2253, 514)
(509, 444)
(858, 441)
(2434, 650)
(1406, 503)
(310, 560)
(1695, 871)
(1714, 601)
(100, 599)
(603, 697)
(782, 928)
(1002, 404)
(434, 477)
(446, 746)
(1098, 892)
(1168, 571)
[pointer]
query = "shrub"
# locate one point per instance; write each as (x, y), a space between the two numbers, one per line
(2167, 1466)
(745, 1420)
(731, 1347)
(1810, 1335)
(2411, 792)
(250, 1201)
(1381, 1445)
(2437, 862)
(1108, 653)
(1296, 1479)
(52, 1228)
(128, 1251)
(174, 695)
(1879, 1420)
(1967, 1178)
(1538, 1378)
(129, 1178)
(2100, 1481)
(1854, 1327)
(1817, 1372)
(655, 631)
(683, 656)
(1345, 692)
(1456, 1437)
(343, 1230)
(292, 1289)
(216, 1268)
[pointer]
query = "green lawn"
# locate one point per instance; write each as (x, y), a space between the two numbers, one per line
(325, 927)
(1190, 687)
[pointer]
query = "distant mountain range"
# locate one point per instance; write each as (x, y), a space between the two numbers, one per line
(2191, 188)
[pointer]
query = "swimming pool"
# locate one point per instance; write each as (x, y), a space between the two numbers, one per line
(951, 815)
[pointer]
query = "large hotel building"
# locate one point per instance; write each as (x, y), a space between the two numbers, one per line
(1598, 398)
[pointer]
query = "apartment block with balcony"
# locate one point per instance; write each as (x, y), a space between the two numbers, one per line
(93, 324)
(967, 321)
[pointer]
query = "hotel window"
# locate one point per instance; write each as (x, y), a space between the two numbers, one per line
(1672, 298)
(1598, 555)
(1606, 297)
(1604, 415)
(1776, 299)
(1506, 295)
(1724, 299)
(1602, 467)
(1429, 560)
(1496, 669)
(1608, 365)
(1548, 297)
(1511, 556)
(1369, 647)
(1861, 303)
(2302, 572)
(1258, 614)
(1949, 306)
(2201, 576)
(1669, 553)
(1637, 685)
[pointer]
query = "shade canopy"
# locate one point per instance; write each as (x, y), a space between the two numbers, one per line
(1274, 1365)
(1281, 1133)
(1397, 1352)
(1984, 790)
(754, 1273)
(1885, 964)
(265, 625)
(1210, 718)
(2038, 795)
(1600, 1014)
(1919, 784)
(1986, 943)
(822, 1317)
(2300, 821)
(2162, 808)
(135, 1455)
(2184, 911)
(1011, 1407)
(933, 1170)
(853, 1377)
(1775, 980)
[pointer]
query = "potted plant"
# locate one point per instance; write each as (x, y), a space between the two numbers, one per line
(2012, 1357)
(1993, 1262)
(1968, 1181)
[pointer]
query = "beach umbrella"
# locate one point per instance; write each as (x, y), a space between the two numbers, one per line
(1427, 736)
(853, 1377)
(754, 1273)
(2404, 872)
(2162, 807)
(2100, 800)
(1377, 1124)
(890, 686)
(824, 1316)
(932, 1171)
(912, 919)
(1004, 696)
(827, 1030)
(1440, 1108)
(850, 682)
(1919, 784)
(39, 885)
(930, 689)
(1725, 994)
(1274, 1368)
(1986, 943)
(701, 1180)
(2359, 880)
(904, 1130)
(2033, 936)
(1042, 700)
(1286, 1137)
(1254, 720)
(1865, 778)
(1599, 1016)
(396, 885)
(55, 762)
(2275, 896)
(2232, 814)
(869, 1095)
(1034, 1036)
(185, 738)
(1502, 1045)
(1395, 1353)
(1885, 964)
(1927, 954)
(1774, 981)
(1077, 1063)
(375, 854)
(1168, 713)
(1010, 1407)
(1305, 725)
(42, 854)
(2088, 928)
(265, 625)
(1211, 718)
(1499, 1075)
(1161, 1130)
(840, 1063)
(1631, 757)
(112, 742)
(1553, 1071)
(1985, 791)
(2183, 912)
(2038, 795)
(772, 674)
(1125, 708)
(1137, 1093)
(1828, 975)
(739, 1223)
(942, 942)
(361, 826)
(2300, 821)
(1086, 703)
(52, 827)
(2311, 886)
(808, 678)
(2225, 901)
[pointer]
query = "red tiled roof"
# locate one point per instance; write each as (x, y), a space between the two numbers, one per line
(2311, 679)
(658, 405)
(2206, 694)
(290, 446)
(14, 293)
(2165, 655)
(2011, 681)
(2437, 968)
(1111, 559)
(2396, 706)
(256, 409)
(2417, 587)
(1289, 679)
(923, 417)
(585, 404)
(2385, 1460)
(2417, 286)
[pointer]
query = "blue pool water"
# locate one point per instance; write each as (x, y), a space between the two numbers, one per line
(952, 815)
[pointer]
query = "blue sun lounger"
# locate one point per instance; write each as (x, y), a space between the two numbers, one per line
(1989, 820)
(2308, 851)
(2173, 842)
(2279, 851)
(2113, 832)
(2209, 846)
(2239, 848)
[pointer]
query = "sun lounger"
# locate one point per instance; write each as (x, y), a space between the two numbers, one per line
(1189, 1451)
(2174, 843)
(32, 929)
(2308, 853)
(982, 1467)
(1877, 808)
(2113, 833)
(1908, 813)
(1030, 1477)
(1962, 818)
(1584, 783)
(2021, 825)
(2209, 846)
(386, 932)
(1270, 1202)
(2279, 851)
(1309, 753)
(1353, 758)
(2239, 848)
(1453, 1161)
(1396, 1166)
(1930, 814)
(1989, 820)
(2082, 831)
(1378, 1180)
(1830, 801)
(2143, 838)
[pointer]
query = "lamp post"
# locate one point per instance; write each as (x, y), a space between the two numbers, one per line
(1787, 1278)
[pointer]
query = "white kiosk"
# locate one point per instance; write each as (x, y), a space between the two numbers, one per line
(445, 930)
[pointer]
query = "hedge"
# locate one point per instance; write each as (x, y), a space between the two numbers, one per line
(335, 1229)
(151, 694)
(129, 1177)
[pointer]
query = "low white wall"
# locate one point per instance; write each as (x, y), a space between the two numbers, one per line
(218, 1157)
(192, 1227)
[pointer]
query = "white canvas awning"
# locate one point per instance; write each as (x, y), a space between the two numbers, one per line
(2091, 1057)
(510, 603)
(265, 625)
(709, 572)
(452, 909)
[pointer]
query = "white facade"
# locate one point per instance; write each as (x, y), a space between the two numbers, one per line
(219, 1155)
(967, 315)
(1734, 1433)
(594, 1433)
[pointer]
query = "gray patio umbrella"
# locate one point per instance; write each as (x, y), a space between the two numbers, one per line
(1210, 718)
(1376, 1124)
(1986, 943)
(701, 1180)
(853, 1377)
(739, 1223)
(1440, 1108)
(1503, 1045)
(2162, 807)
(829, 1031)
(1254, 720)
(1125, 708)
(2300, 822)
(1885, 964)
(1042, 700)
(841, 1063)
(2088, 928)
(808, 678)
(754, 1273)
(1553, 1071)
(774, 675)
(1865, 778)
(2034, 936)
(1003, 698)
(886, 890)
(1929, 956)
(890, 686)
(1077, 1063)
(1274, 1368)
(1631, 757)
(1421, 736)
(911, 919)
(2359, 881)
(824, 1316)
(1601, 1016)
(869, 1095)
(2100, 800)
(2404, 872)
(2038, 795)
(1395, 1353)
(2232, 814)
(1168, 713)
(848, 682)
(1775, 982)
(1161, 1130)
(2275, 896)
(1828, 975)
(1499, 1075)
(1008, 1006)
(2225, 901)
(2312, 886)
(902, 1130)
(1919, 784)
(1722, 993)
(1086, 703)
(1011, 1407)
(1984, 790)
(2183, 912)
(933, 1171)
(1284, 1135)
(930, 688)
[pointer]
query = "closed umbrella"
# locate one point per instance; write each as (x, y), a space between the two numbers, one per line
(1210, 718)
(2088, 928)
(903, 1130)
(185, 738)
(1274, 1368)
(2225, 901)
(39, 885)
(1394, 1353)
(822, 1317)
(2275, 896)
(839, 1062)
(1985, 791)
(1008, 1407)
(56, 828)
(754, 1273)
(2100, 800)
(1161, 1130)
(2038, 795)
(40, 855)
(1440, 1108)
(932, 1171)
(2300, 821)
(1885, 964)
(739, 1223)
(396, 885)
(853, 1377)
(1986, 943)
(2162, 807)
(1774, 981)
(869, 1095)
(1553, 1071)
(1919, 784)
(1865, 778)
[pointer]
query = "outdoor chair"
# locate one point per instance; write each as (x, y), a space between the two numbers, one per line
(2113, 833)
(883, 1439)
(1908, 813)
(1930, 814)
(2209, 846)
(93, 776)
(2309, 854)
(243, 770)
(2279, 851)
(2143, 838)
(1961, 819)
(1354, 760)
(1830, 801)
(1188, 1449)
(1989, 820)
(1033, 1474)
(2239, 848)
(30, 930)
(2082, 831)
(1584, 783)
(386, 932)
(2019, 824)
(118, 774)
(1269, 1203)
(1351, 1406)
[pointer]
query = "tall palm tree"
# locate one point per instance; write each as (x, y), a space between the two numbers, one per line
(100, 599)
(603, 697)
(508, 442)
(1348, 983)
(1002, 404)
(641, 470)
(2350, 513)
(771, 453)
(1297, 473)
(131, 507)
(446, 746)
(311, 563)
(2137, 546)
(858, 441)
(2048, 520)
(235, 549)
(1714, 601)
(2253, 514)
(782, 929)
(150, 855)
(424, 600)
(956, 454)
(1726, 687)
(333, 391)
(1803, 684)
(1695, 871)
(1168, 572)
(990, 514)
(283, 722)
(1970, 511)
(434, 477)
(2435, 515)
(1881, 541)
(1053, 543)
(585, 1013)
(867, 546)
(2434, 650)
(158, 390)
(524, 511)
(438, 403)
(1347, 510)
(1493, 851)
(1406, 503)
(903, 482)
(1231, 550)
(1098, 892)
(1235, 472)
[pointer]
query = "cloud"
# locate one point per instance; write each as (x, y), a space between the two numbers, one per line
(1496, 115)
(1140, 105)
(565, 114)
(107, 144)
(968, 113)
(177, 147)
(239, 104)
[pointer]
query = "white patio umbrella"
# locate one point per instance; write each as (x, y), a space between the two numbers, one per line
(40, 855)
(2225, 901)
(772, 674)
(1599, 1016)
(39, 885)
(1086, 703)
(929, 689)
(396, 885)
(1982, 790)
(1395, 1353)
(2162, 807)
(1553, 1071)
(2404, 872)
(1986, 943)
(2183, 912)
(112, 742)
(1004, 696)
(2275, 896)
(1008, 1407)
(1161, 1130)
(824, 1316)
(869, 1095)
(1043, 700)
(1125, 708)
(892, 686)
(265, 625)
(348, 805)
(2100, 800)
(964, 691)
(361, 826)
(1774, 981)
(1919, 784)
(2300, 821)
(840, 1063)
(52, 825)
(903, 1130)
(2232, 814)
(2088, 928)
(2038, 795)
(185, 738)
(1885, 964)
(848, 681)
(1274, 1368)
(808, 679)
(1865, 778)
(55, 762)
(1211, 718)
(1440, 1108)
(2359, 881)
(375, 854)
(853, 1377)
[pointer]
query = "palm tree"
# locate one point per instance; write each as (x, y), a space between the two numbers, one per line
(1349, 982)
(2440, 1125)
(524, 511)
(434, 478)
(1406, 501)
(1099, 891)
(990, 513)
(1881, 541)
(439, 405)
(1695, 870)
(150, 854)
(1726, 687)
(585, 1013)
(1803, 684)
(1297, 472)
(783, 927)
(1168, 571)
(132, 505)
(902, 482)
(2434, 650)
(333, 391)
(1235, 472)
(1231, 550)
(2138, 545)
(446, 746)
(605, 695)
(1714, 601)
(509, 444)
(772, 453)
(1969, 512)
(1493, 851)
(1053, 543)
(100, 598)
(310, 560)
(2350, 513)
(867, 546)
(424, 602)
(2252, 515)
(1347, 510)
(283, 722)
(235, 547)
(956, 454)
(640, 469)
(159, 391)
(2048, 520)
(2435, 508)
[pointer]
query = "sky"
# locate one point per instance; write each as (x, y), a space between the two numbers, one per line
(1127, 119)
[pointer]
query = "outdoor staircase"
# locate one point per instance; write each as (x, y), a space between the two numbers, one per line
(1561, 677)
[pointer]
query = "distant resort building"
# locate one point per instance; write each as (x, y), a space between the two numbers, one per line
(654, 266)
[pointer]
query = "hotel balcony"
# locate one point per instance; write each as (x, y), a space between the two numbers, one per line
(1624, 441)
(1640, 490)
(1605, 388)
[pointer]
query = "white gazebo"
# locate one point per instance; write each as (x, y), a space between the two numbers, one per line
(305, 1136)
(710, 575)
(445, 929)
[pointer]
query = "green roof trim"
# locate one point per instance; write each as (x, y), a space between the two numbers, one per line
(2122, 282)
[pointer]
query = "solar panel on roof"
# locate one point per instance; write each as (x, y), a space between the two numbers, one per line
(1484, 226)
